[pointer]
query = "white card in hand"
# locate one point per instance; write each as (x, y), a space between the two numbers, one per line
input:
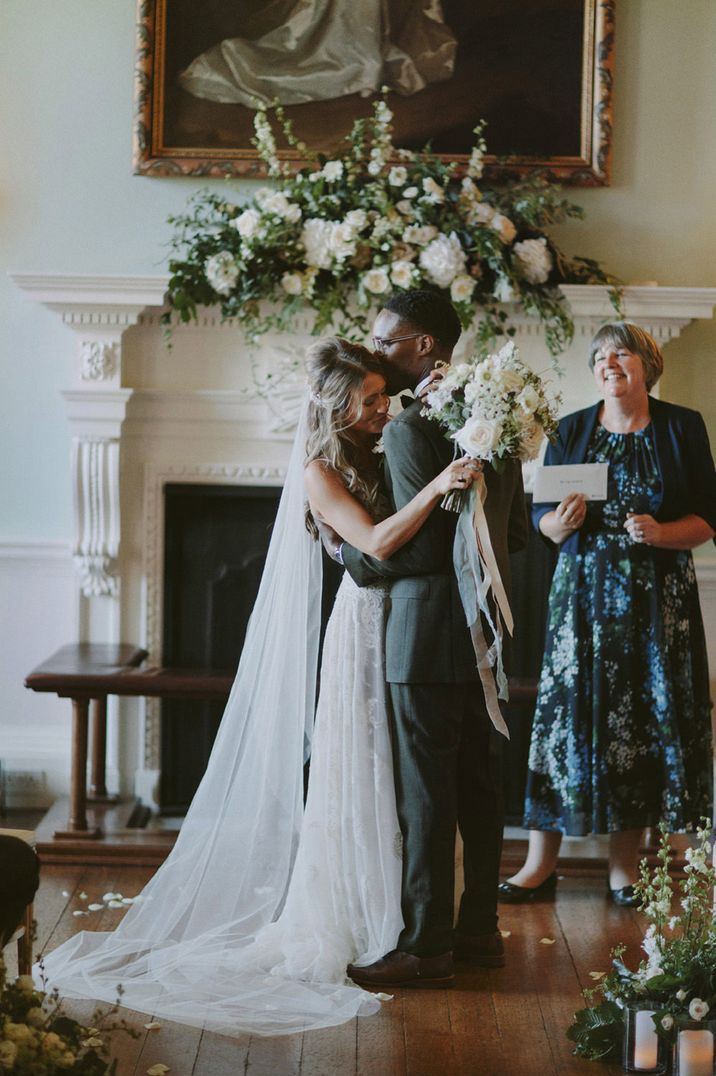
(555, 483)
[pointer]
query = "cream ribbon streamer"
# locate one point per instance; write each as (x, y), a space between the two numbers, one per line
(477, 574)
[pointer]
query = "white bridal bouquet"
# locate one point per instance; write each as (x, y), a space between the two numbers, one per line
(494, 409)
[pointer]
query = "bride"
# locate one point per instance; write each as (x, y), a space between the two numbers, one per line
(250, 923)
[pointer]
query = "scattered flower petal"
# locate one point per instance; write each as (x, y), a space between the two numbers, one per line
(505, 933)
(384, 997)
(95, 907)
(158, 1070)
(128, 900)
(111, 896)
(93, 1041)
(84, 896)
(115, 904)
(80, 913)
(153, 1025)
(597, 974)
(65, 893)
(546, 941)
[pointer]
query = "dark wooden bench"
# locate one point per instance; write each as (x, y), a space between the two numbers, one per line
(87, 673)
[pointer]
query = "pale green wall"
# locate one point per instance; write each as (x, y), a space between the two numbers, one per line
(69, 203)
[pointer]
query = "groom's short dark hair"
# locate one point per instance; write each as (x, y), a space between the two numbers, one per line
(429, 311)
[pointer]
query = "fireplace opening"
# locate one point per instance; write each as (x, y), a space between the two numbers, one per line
(216, 540)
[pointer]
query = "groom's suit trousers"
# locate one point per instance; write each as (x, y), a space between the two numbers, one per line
(447, 760)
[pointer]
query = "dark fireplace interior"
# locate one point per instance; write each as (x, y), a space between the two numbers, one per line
(216, 539)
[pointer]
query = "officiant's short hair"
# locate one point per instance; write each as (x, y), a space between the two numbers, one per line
(429, 311)
(635, 339)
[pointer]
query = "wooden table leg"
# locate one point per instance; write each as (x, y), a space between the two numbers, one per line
(77, 822)
(98, 778)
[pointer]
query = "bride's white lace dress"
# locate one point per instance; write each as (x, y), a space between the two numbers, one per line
(208, 965)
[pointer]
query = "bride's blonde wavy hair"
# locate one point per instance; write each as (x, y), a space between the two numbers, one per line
(336, 370)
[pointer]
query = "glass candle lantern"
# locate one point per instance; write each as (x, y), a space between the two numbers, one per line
(644, 1050)
(695, 1049)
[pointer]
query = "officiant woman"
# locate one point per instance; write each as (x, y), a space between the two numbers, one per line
(622, 730)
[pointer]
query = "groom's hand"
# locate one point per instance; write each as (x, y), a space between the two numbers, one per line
(330, 538)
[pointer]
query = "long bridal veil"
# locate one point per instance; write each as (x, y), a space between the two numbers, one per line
(187, 950)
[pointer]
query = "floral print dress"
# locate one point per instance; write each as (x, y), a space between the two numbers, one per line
(622, 729)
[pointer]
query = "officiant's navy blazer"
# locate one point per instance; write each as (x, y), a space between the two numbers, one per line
(683, 454)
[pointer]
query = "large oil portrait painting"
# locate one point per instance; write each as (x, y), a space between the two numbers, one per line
(539, 72)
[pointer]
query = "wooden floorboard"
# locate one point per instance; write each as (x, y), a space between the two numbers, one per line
(507, 1021)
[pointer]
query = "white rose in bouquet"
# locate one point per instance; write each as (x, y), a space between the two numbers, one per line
(433, 191)
(529, 399)
(531, 437)
(443, 259)
(462, 288)
(222, 272)
(316, 239)
(341, 241)
(507, 380)
(401, 273)
(332, 170)
(534, 261)
(479, 437)
(397, 175)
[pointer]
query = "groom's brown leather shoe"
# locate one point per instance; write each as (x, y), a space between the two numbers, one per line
(483, 950)
(403, 969)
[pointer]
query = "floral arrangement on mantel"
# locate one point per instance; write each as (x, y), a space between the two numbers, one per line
(338, 235)
(677, 977)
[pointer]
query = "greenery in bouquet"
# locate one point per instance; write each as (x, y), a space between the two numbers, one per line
(338, 235)
(38, 1039)
(677, 976)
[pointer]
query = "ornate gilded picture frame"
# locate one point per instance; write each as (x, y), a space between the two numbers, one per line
(539, 71)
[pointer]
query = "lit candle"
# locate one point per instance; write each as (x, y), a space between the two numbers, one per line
(646, 1042)
(696, 1053)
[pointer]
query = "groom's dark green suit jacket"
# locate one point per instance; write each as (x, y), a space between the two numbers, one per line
(427, 640)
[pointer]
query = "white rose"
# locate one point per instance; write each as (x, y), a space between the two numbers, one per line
(481, 213)
(443, 259)
(341, 241)
(247, 223)
(508, 380)
(680, 995)
(415, 233)
(534, 261)
(276, 203)
(356, 219)
(667, 1022)
(503, 292)
(8, 1055)
(374, 167)
(462, 288)
(376, 281)
(292, 283)
(410, 192)
(405, 207)
(653, 973)
(293, 213)
(698, 1009)
(332, 170)
(222, 272)
(401, 273)
(504, 227)
(479, 437)
(397, 176)
(528, 399)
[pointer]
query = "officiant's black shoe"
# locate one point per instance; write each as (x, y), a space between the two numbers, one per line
(482, 950)
(398, 969)
(624, 897)
(509, 893)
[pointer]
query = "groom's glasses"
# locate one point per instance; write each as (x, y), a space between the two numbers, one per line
(382, 343)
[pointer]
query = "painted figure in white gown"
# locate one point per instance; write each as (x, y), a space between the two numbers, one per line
(250, 923)
(329, 48)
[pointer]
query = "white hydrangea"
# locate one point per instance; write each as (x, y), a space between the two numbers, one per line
(504, 227)
(376, 281)
(316, 239)
(397, 176)
(401, 273)
(247, 223)
(341, 240)
(356, 219)
(534, 260)
(443, 259)
(277, 203)
(222, 272)
(462, 288)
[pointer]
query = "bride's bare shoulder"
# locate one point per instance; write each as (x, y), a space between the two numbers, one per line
(319, 474)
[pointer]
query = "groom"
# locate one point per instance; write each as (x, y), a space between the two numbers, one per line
(446, 753)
